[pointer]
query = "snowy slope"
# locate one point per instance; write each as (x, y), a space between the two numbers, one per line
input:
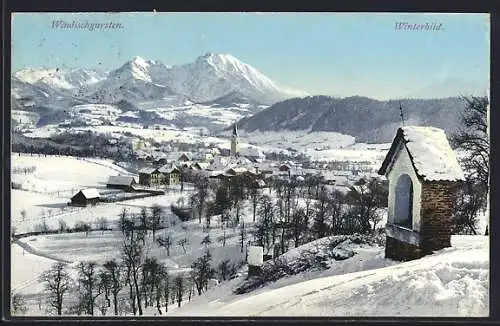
(452, 282)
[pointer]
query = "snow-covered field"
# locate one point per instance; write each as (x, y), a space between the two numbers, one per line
(299, 140)
(62, 173)
(45, 193)
(452, 282)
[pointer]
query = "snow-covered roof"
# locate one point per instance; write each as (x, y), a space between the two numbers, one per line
(203, 165)
(122, 180)
(167, 168)
(90, 193)
(237, 170)
(429, 151)
(147, 170)
(251, 151)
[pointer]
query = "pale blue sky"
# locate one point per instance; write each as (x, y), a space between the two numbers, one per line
(321, 53)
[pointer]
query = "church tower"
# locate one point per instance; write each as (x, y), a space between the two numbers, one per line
(234, 141)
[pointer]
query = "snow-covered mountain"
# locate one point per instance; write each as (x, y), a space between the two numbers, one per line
(367, 119)
(212, 76)
(209, 77)
(60, 79)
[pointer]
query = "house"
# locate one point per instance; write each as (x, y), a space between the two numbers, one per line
(284, 167)
(184, 157)
(224, 151)
(121, 182)
(149, 176)
(423, 175)
(171, 174)
(201, 165)
(236, 170)
(85, 197)
(253, 154)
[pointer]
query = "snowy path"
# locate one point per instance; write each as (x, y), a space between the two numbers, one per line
(33, 251)
(112, 166)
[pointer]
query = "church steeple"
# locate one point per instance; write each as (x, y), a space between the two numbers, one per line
(234, 141)
(235, 130)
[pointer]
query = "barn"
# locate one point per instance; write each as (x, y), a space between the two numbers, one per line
(85, 197)
(423, 175)
(121, 182)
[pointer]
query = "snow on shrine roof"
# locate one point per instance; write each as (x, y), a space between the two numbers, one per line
(90, 193)
(430, 153)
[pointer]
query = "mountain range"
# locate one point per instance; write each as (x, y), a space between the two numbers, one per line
(214, 91)
(369, 120)
(208, 78)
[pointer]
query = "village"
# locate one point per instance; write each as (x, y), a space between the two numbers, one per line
(160, 171)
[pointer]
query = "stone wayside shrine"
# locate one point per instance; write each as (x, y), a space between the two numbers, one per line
(423, 175)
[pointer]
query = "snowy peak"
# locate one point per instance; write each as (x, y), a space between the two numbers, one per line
(59, 79)
(140, 69)
(213, 75)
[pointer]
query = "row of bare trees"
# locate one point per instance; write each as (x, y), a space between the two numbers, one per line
(283, 222)
(131, 283)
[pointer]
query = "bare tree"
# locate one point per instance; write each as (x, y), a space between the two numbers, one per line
(201, 272)
(166, 288)
(144, 224)
(114, 270)
(335, 211)
(298, 226)
(179, 286)
(472, 137)
(132, 254)
(468, 204)
(102, 224)
(57, 282)
(368, 197)
(157, 213)
(62, 225)
(223, 269)
(264, 228)
(122, 221)
(183, 243)
(201, 185)
(206, 241)
(88, 285)
(243, 235)
(165, 242)
(104, 286)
